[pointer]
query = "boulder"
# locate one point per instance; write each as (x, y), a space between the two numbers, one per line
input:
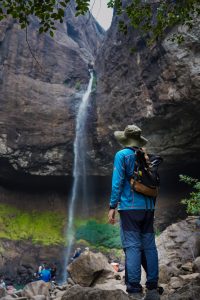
(196, 264)
(2, 292)
(164, 273)
(37, 288)
(18, 293)
(111, 284)
(190, 277)
(39, 297)
(70, 281)
(89, 267)
(178, 243)
(176, 283)
(174, 271)
(59, 294)
(86, 293)
(190, 291)
(62, 287)
(187, 267)
(8, 297)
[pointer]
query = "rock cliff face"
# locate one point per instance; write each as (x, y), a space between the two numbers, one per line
(38, 101)
(156, 88)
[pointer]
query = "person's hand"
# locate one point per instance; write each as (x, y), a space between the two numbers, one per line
(111, 216)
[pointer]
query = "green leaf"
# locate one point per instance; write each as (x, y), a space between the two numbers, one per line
(193, 201)
(61, 12)
(140, 15)
(23, 26)
(41, 29)
(63, 4)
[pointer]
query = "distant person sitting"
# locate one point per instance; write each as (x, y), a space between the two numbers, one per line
(45, 274)
(2, 283)
(53, 271)
(77, 253)
(41, 267)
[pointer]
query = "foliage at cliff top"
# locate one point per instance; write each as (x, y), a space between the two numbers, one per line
(193, 201)
(150, 17)
(44, 228)
(153, 17)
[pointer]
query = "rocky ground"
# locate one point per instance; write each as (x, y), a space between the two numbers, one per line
(92, 277)
(19, 260)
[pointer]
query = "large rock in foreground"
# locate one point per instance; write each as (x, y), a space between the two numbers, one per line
(2, 292)
(85, 293)
(190, 291)
(89, 267)
(178, 246)
(180, 242)
(33, 289)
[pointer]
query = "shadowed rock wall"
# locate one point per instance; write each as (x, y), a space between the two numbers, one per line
(156, 88)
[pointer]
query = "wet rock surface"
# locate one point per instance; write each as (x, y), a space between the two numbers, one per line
(39, 97)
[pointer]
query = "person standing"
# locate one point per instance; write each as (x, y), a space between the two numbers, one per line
(136, 217)
(77, 253)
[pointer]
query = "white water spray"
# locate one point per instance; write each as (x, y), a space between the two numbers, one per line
(78, 168)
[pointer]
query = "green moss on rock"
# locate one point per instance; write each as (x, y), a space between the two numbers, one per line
(44, 228)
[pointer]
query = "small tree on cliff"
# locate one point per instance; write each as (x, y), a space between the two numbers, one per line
(150, 17)
(193, 201)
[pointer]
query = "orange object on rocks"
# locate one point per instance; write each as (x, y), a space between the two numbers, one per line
(115, 266)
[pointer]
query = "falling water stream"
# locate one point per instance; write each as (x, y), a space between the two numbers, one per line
(79, 169)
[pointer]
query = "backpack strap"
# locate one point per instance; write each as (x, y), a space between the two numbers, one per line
(135, 151)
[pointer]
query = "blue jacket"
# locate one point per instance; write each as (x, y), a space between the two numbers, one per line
(122, 195)
(45, 275)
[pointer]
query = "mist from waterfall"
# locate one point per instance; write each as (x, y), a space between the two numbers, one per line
(79, 170)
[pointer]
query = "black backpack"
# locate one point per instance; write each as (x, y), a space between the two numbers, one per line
(145, 178)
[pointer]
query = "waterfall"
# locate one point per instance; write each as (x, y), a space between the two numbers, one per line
(79, 168)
